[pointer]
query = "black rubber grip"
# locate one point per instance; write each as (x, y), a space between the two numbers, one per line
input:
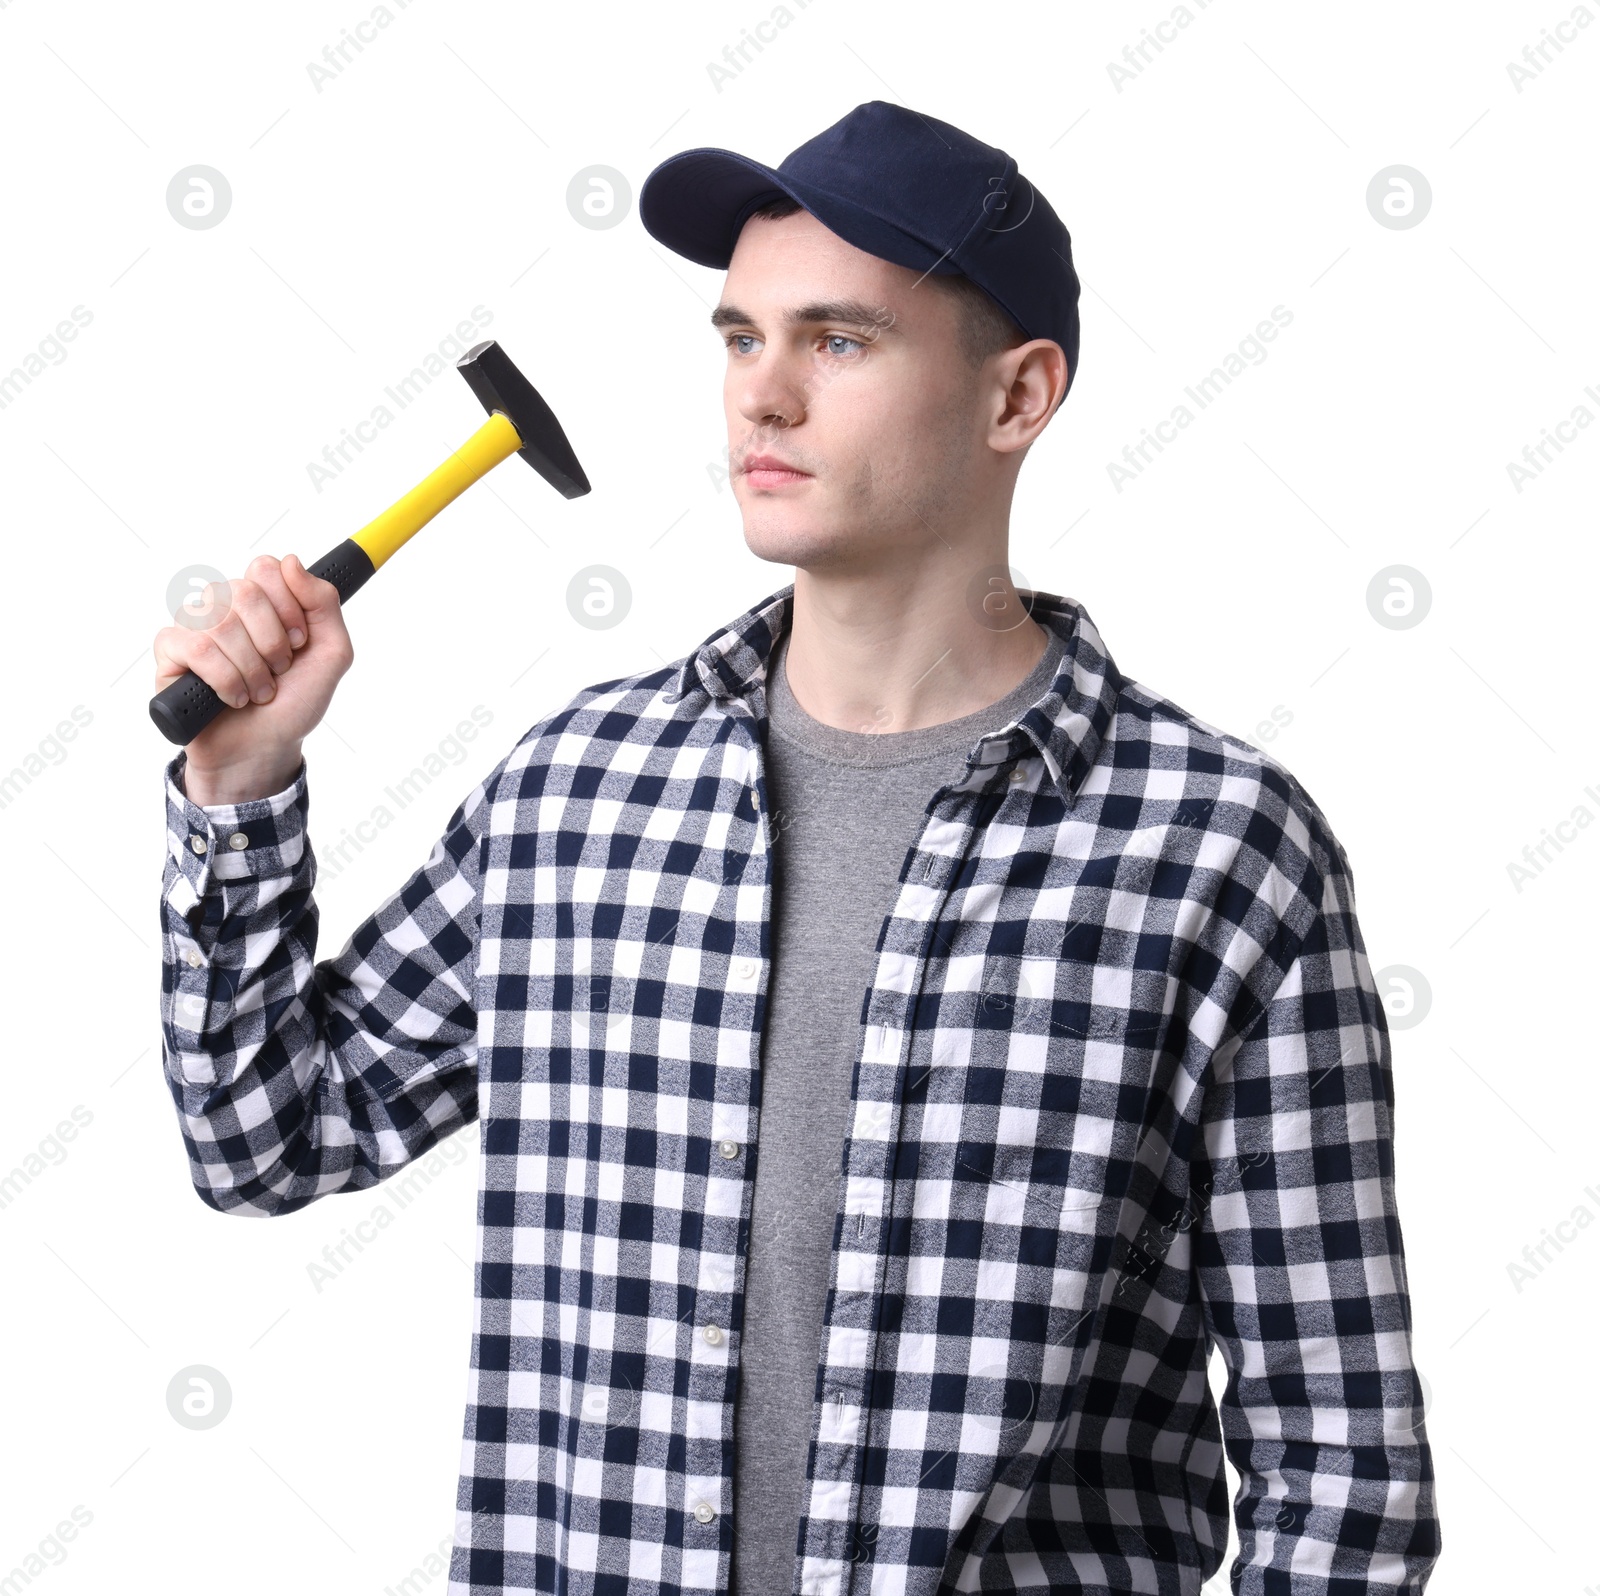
(184, 708)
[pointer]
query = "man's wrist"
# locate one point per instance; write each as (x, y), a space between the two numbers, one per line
(238, 784)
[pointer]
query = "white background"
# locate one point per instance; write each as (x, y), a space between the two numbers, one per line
(429, 176)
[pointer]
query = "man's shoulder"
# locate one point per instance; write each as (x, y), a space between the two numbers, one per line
(642, 709)
(1224, 784)
(1243, 837)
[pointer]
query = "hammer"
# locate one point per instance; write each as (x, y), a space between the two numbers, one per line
(520, 422)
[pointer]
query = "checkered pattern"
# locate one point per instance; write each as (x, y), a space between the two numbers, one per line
(1122, 1089)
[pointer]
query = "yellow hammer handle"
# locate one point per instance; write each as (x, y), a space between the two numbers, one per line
(482, 452)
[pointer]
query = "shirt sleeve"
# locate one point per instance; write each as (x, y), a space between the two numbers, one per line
(294, 1078)
(1301, 1271)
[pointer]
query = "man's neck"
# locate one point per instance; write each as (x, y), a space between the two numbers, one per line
(878, 655)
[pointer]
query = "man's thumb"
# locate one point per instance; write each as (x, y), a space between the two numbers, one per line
(304, 587)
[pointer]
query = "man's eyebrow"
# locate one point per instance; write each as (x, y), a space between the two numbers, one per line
(847, 312)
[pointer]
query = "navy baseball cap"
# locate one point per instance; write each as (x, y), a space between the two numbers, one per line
(905, 187)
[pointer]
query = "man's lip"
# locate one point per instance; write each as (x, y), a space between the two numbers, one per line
(765, 462)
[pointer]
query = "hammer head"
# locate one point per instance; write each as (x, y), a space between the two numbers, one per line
(500, 386)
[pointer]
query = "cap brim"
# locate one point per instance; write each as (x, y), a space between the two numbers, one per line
(697, 201)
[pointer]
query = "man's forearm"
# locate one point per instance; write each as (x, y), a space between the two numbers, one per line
(339, 1071)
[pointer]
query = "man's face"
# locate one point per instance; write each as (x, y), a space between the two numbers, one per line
(841, 366)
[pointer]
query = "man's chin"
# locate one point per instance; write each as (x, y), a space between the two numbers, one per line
(783, 541)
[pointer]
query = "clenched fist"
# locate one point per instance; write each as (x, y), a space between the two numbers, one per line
(275, 654)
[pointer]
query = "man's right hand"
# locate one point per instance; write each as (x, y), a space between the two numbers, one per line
(279, 689)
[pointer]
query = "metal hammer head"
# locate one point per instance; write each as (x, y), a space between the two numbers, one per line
(500, 386)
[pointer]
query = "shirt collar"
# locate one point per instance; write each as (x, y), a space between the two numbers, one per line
(1065, 726)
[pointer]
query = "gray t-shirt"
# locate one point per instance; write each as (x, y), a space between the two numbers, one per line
(844, 807)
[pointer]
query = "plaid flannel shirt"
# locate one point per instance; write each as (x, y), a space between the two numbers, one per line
(1122, 1090)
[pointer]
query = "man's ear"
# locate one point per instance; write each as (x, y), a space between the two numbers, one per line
(1033, 376)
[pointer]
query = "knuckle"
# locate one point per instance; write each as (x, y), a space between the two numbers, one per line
(218, 605)
(207, 651)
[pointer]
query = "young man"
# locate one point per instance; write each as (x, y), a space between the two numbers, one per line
(903, 1043)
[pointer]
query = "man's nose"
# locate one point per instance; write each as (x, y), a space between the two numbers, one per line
(770, 393)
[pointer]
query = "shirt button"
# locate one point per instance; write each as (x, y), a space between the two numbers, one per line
(728, 1149)
(198, 844)
(704, 1512)
(1019, 772)
(713, 1335)
(238, 840)
(194, 958)
(747, 967)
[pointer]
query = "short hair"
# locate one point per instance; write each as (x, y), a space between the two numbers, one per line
(986, 327)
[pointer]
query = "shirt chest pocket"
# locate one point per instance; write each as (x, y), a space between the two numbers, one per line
(1020, 1185)
(1030, 1130)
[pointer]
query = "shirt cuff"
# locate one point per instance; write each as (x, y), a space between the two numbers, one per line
(232, 842)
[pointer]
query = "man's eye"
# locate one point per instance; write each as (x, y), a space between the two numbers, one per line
(735, 340)
(839, 338)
